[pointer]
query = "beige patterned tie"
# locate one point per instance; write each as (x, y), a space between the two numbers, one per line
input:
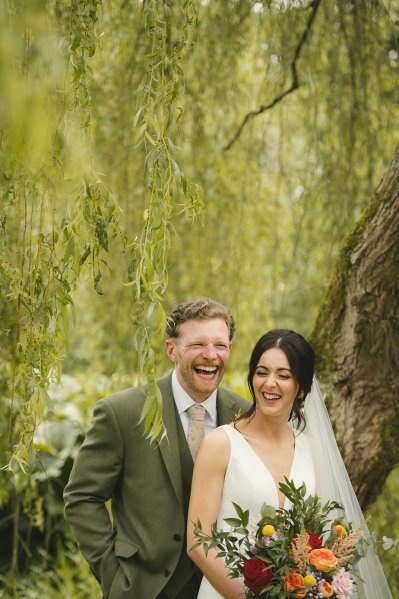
(196, 429)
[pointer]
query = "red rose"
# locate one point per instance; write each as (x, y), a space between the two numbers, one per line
(257, 574)
(314, 541)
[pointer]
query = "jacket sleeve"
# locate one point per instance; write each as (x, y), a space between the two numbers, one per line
(92, 482)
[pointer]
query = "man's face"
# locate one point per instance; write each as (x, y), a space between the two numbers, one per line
(200, 353)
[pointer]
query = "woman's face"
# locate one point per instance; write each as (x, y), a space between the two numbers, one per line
(274, 384)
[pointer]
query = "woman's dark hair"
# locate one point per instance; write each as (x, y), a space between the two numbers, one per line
(300, 356)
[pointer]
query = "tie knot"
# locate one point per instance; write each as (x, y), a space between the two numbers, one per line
(196, 412)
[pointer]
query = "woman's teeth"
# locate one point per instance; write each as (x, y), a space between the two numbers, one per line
(270, 397)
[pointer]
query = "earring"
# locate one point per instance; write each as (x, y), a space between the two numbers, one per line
(300, 401)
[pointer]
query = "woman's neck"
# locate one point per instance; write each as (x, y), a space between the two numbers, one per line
(274, 429)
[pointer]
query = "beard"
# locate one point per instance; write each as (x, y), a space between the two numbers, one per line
(199, 385)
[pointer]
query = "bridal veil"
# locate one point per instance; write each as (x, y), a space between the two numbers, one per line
(333, 483)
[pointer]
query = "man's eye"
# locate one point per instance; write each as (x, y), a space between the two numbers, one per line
(221, 346)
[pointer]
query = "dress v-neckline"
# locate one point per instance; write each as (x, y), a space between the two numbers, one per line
(261, 462)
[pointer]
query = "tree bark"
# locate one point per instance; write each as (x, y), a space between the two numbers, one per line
(356, 339)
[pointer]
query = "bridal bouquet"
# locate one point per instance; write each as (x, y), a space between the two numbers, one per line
(293, 552)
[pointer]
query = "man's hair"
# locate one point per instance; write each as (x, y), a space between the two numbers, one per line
(202, 308)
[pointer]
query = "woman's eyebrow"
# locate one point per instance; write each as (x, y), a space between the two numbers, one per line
(278, 369)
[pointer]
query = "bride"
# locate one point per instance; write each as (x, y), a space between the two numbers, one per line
(244, 462)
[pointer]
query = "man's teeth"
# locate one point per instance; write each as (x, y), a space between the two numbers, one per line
(207, 368)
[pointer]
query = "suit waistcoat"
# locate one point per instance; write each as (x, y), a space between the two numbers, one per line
(185, 568)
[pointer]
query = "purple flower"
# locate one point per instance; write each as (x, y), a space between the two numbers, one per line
(277, 536)
(266, 540)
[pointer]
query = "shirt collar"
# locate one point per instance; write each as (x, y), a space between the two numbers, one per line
(184, 401)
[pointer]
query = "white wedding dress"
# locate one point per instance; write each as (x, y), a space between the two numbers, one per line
(249, 483)
(317, 458)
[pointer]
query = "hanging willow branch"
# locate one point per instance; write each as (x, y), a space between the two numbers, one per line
(83, 37)
(156, 121)
(42, 257)
(294, 78)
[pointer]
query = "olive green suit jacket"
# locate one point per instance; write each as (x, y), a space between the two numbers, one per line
(135, 555)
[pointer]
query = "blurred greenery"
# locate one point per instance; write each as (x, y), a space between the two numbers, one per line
(34, 509)
(383, 521)
(119, 199)
(66, 575)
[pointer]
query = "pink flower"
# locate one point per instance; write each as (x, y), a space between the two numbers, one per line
(342, 584)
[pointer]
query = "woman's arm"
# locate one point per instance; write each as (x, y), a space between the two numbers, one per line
(206, 492)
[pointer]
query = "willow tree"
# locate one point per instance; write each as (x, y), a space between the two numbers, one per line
(356, 337)
(279, 200)
(151, 152)
(59, 216)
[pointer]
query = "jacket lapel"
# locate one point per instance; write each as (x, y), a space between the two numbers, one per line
(169, 447)
(226, 408)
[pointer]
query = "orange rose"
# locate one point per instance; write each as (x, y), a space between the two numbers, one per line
(295, 581)
(323, 559)
(325, 588)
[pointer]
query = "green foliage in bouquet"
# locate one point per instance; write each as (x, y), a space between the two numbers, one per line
(294, 552)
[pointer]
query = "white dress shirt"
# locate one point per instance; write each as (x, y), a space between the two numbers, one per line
(184, 401)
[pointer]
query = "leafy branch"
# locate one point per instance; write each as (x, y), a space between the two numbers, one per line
(81, 16)
(294, 78)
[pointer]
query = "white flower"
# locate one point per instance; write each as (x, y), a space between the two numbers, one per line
(342, 584)
(252, 530)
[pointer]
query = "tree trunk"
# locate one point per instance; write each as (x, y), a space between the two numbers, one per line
(356, 340)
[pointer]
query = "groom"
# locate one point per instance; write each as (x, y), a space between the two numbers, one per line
(140, 552)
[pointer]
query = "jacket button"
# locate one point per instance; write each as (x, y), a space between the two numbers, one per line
(176, 537)
(166, 572)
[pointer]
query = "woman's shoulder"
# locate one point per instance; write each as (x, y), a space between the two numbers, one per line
(215, 444)
(225, 439)
(219, 437)
(218, 441)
